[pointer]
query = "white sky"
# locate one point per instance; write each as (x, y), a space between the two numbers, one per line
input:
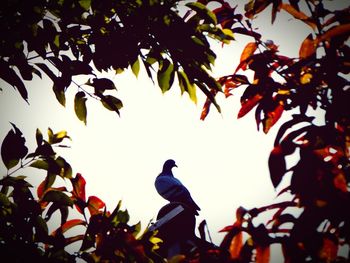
(222, 160)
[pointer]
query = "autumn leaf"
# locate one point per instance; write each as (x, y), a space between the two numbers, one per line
(277, 165)
(94, 204)
(79, 187)
(248, 50)
(298, 15)
(236, 245)
(335, 31)
(308, 47)
(263, 254)
(249, 104)
(272, 117)
(329, 250)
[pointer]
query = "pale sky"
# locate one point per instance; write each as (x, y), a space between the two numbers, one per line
(222, 160)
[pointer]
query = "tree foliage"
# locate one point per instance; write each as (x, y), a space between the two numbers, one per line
(64, 39)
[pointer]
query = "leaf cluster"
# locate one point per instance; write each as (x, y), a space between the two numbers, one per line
(70, 38)
(26, 216)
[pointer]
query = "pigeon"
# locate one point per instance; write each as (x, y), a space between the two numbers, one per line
(171, 188)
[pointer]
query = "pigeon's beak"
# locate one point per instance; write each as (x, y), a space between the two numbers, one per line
(175, 165)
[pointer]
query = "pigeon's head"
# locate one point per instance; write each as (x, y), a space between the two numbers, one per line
(169, 164)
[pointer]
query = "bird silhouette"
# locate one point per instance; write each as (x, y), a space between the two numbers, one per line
(171, 188)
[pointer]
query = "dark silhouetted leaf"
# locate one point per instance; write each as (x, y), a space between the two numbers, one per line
(277, 166)
(10, 76)
(38, 137)
(102, 84)
(45, 185)
(13, 148)
(111, 103)
(57, 197)
(80, 106)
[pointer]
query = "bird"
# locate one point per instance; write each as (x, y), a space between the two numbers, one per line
(171, 188)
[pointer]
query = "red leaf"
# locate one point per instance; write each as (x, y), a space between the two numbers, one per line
(205, 109)
(79, 187)
(94, 205)
(272, 117)
(308, 47)
(249, 104)
(72, 223)
(263, 254)
(329, 250)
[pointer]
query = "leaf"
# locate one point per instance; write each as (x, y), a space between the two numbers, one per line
(57, 197)
(80, 106)
(135, 68)
(111, 103)
(85, 4)
(335, 31)
(78, 183)
(59, 137)
(185, 85)
(10, 76)
(272, 117)
(249, 104)
(236, 245)
(247, 52)
(253, 7)
(77, 67)
(38, 137)
(298, 15)
(263, 254)
(203, 11)
(102, 84)
(45, 185)
(277, 166)
(72, 223)
(308, 47)
(13, 147)
(165, 75)
(40, 164)
(123, 216)
(94, 205)
(329, 250)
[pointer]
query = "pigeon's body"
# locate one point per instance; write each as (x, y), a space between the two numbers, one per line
(171, 188)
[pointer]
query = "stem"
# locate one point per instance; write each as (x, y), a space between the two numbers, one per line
(23, 165)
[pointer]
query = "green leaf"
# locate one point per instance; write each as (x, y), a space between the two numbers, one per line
(13, 148)
(80, 106)
(59, 137)
(65, 168)
(123, 216)
(165, 75)
(40, 164)
(85, 4)
(136, 67)
(185, 85)
(111, 103)
(203, 11)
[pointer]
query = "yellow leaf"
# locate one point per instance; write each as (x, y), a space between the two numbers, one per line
(306, 78)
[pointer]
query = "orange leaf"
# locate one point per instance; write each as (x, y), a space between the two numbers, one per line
(308, 47)
(236, 245)
(263, 254)
(298, 15)
(335, 31)
(95, 204)
(272, 117)
(249, 104)
(248, 50)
